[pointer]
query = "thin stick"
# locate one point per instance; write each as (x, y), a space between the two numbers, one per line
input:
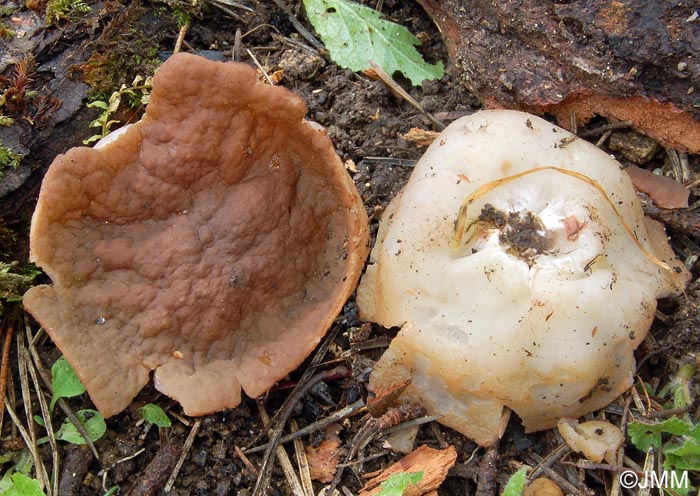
(236, 52)
(389, 81)
(246, 461)
(259, 66)
(302, 462)
(300, 27)
(4, 367)
(46, 415)
(183, 456)
(316, 426)
(281, 419)
(41, 473)
(63, 405)
(283, 458)
(181, 37)
(460, 225)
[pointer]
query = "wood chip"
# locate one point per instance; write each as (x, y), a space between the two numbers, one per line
(419, 137)
(434, 464)
(385, 398)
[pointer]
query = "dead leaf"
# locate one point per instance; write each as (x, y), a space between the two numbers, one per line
(323, 460)
(665, 191)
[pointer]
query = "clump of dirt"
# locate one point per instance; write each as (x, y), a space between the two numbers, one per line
(521, 232)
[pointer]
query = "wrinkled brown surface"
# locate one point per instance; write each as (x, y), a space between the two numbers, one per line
(214, 243)
(634, 60)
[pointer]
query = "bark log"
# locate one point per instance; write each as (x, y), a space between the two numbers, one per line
(634, 60)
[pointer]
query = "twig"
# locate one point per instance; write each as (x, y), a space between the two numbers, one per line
(46, 415)
(669, 413)
(413, 423)
(259, 66)
(562, 482)
(361, 438)
(389, 81)
(281, 419)
(286, 464)
(246, 461)
(4, 367)
(552, 457)
(121, 460)
(302, 461)
(41, 473)
(236, 52)
(603, 129)
(185, 451)
(486, 485)
(63, 405)
(299, 27)
(314, 427)
(181, 37)
(150, 480)
(603, 139)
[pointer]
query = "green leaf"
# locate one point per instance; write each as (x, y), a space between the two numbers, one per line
(64, 381)
(355, 34)
(94, 424)
(683, 456)
(396, 483)
(23, 486)
(92, 139)
(98, 104)
(516, 483)
(155, 415)
(644, 436)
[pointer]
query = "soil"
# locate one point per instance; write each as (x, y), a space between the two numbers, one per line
(82, 56)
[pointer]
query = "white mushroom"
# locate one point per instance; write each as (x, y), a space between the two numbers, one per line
(536, 302)
(595, 439)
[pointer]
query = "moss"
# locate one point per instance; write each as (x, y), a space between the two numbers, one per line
(62, 9)
(123, 51)
(8, 158)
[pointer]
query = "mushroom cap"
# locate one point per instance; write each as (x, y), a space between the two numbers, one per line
(540, 307)
(214, 243)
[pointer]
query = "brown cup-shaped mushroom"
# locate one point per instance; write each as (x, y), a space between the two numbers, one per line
(214, 242)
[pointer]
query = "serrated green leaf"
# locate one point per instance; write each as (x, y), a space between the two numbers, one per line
(683, 456)
(64, 381)
(516, 483)
(93, 422)
(644, 436)
(397, 483)
(355, 34)
(155, 415)
(23, 486)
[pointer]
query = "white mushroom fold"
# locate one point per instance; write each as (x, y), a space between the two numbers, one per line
(551, 287)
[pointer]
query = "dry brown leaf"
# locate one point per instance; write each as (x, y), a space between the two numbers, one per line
(323, 460)
(665, 191)
(432, 462)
